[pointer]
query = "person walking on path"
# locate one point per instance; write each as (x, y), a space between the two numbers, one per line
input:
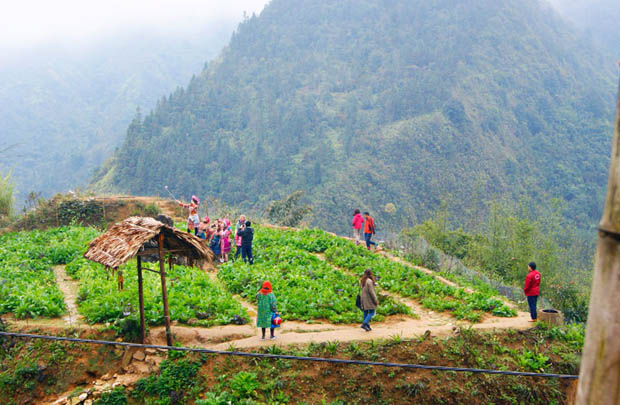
(247, 235)
(358, 220)
(531, 289)
(369, 230)
(193, 220)
(266, 307)
(240, 223)
(368, 298)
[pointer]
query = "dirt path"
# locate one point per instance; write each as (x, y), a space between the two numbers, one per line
(69, 288)
(292, 332)
(295, 332)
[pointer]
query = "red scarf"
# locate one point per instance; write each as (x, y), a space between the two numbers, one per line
(266, 289)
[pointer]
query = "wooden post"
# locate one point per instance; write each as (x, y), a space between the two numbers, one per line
(164, 292)
(141, 299)
(103, 207)
(599, 376)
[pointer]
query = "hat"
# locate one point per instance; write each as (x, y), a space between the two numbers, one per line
(266, 289)
(206, 220)
(196, 199)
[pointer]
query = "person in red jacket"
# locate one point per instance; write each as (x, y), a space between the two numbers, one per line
(531, 289)
(358, 220)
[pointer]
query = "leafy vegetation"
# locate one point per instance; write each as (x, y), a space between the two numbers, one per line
(225, 379)
(283, 259)
(191, 295)
(306, 287)
(27, 285)
(358, 103)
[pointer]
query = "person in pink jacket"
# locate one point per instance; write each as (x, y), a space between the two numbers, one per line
(358, 220)
(225, 240)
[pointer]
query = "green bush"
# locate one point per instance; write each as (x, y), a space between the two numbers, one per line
(115, 397)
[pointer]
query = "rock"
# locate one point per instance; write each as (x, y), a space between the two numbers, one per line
(126, 358)
(61, 401)
(139, 355)
(153, 360)
(88, 402)
(238, 320)
(83, 396)
(106, 377)
(74, 401)
(150, 351)
(192, 321)
(116, 384)
(174, 323)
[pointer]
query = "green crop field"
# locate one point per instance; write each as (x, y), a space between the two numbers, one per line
(396, 277)
(27, 284)
(315, 276)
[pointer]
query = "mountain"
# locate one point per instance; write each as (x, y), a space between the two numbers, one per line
(64, 109)
(369, 102)
(599, 18)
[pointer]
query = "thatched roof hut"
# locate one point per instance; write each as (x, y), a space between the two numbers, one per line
(138, 235)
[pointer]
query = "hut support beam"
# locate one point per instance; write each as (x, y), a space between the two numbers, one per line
(164, 292)
(141, 299)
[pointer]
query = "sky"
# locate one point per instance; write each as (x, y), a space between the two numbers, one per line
(31, 23)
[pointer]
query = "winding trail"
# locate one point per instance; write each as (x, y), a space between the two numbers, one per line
(292, 332)
(69, 288)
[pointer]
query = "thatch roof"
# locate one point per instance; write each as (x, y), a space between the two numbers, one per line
(126, 239)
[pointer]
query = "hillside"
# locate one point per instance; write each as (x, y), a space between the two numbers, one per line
(64, 109)
(364, 103)
(49, 288)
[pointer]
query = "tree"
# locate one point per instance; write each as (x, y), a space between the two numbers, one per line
(6, 195)
(288, 211)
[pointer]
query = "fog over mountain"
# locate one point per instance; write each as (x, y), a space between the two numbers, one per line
(600, 18)
(73, 74)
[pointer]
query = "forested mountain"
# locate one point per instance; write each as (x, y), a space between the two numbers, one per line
(366, 102)
(599, 18)
(64, 109)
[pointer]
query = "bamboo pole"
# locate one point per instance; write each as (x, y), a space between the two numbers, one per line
(164, 292)
(141, 300)
(599, 377)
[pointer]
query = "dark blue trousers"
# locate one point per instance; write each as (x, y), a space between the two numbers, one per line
(531, 301)
(246, 254)
(367, 237)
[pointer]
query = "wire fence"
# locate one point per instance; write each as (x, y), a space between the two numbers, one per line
(292, 357)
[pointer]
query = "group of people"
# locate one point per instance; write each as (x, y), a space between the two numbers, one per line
(217, 235)
(368, 223)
